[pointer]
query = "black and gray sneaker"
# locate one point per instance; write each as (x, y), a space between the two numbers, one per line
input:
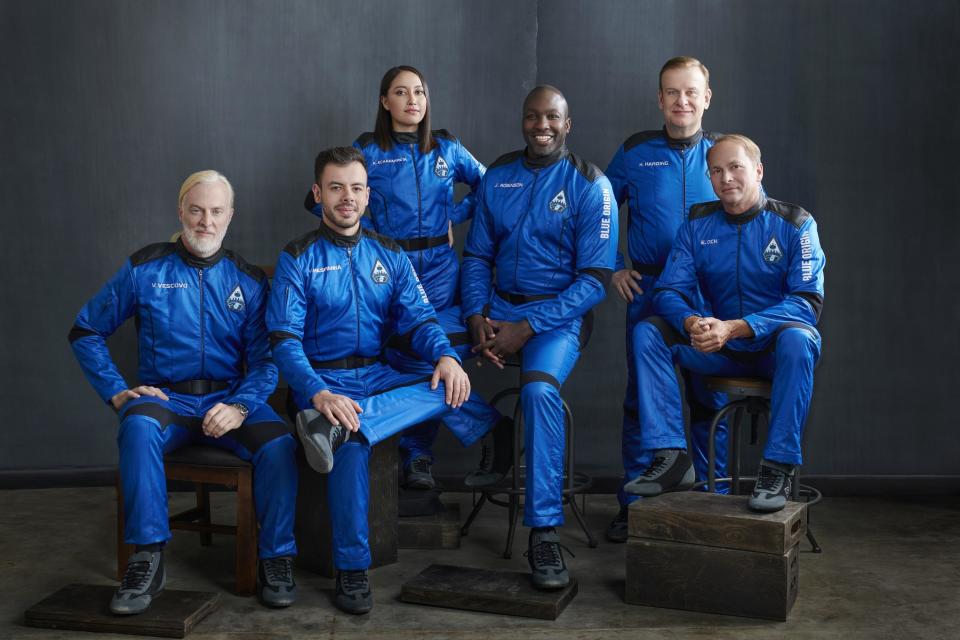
(545, 556)
(772, 490)
(671, 470)
(320, 439)
(617, 531)
(353, 591)
(143, 580)
(416, 475)
(496, 460)
(275, 582)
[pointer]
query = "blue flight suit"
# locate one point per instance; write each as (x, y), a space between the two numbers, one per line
(412, 202)
(198, 321)
(764, 266)
(542, 248)
(335, 301)
(661, 177)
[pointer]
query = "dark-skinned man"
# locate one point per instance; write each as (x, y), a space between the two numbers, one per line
(537, 259)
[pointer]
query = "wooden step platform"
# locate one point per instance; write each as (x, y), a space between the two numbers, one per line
(505, 592)
(439, 531)
(86, 607)
(707, 552)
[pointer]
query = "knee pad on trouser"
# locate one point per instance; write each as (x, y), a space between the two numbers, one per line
(144, 484)
(544, 442)
(275, 495)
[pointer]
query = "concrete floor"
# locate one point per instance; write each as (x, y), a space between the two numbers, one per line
(890, 569)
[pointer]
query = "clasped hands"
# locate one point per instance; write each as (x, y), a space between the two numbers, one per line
(494, 340)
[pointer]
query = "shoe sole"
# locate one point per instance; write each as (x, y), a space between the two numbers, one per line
(120, 610)
(315, 448)
(353, 610)
(764, 507)
(550, 585)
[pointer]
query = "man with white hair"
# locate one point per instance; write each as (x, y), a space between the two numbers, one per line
(205, 373)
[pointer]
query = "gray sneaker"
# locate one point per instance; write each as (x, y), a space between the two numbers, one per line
(772, 490)
(671, 470)
(143, 580)
(275, 582)
(545, 556)
(320, 439)
(496, 459)
(353, 591)
(417, 474)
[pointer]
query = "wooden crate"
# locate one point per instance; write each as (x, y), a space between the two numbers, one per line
(708, 552)
(438, 531)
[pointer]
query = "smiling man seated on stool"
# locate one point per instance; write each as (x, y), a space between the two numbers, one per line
(759, 265)
(205, 375)
(339, 293)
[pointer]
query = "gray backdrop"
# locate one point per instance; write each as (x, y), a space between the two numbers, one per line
(108, 105)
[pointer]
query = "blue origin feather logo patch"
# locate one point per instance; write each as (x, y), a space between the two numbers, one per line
(379, 273)
(559, 203)
(236, 302)
(772, 253)
(441, 168)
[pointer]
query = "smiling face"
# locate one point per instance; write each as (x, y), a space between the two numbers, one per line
(343, 192)
(683, 97)
(735, 176)
(205, 213)
(406, 101)
(546, 122)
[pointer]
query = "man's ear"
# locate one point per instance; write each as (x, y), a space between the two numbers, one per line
(316, 193)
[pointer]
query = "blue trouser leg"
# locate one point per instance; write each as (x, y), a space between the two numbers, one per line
(704, 404)
(348, 491)
(795, 357)
(142, 442)
(547, 360)
(390, 402)
(658, 391)
(417, 441)
(275, 495)
(635, 458)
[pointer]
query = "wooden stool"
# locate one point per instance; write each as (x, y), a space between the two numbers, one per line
(754, 394)
(205, 465)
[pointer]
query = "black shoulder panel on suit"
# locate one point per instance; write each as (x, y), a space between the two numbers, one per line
(587, 169)
(300, 244)
(386, 241)
(251, 270)
(152, 252)
(792, 213)
(640, 137)
(365, 138)
(443, 133)
(703, 209)
(506, 158)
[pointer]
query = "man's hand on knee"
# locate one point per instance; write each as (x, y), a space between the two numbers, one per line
(220, 419)
(627, 283)
(337, 409)
(455, 381)
(129, 394)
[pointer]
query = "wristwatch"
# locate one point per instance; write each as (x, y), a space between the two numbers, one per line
(242, 408)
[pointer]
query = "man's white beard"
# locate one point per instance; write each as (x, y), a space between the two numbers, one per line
(202, 246)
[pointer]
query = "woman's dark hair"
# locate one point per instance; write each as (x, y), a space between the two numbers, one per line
(383, 129)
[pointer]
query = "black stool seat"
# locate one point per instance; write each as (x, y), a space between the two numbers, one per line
(748, 387)
(206, 455)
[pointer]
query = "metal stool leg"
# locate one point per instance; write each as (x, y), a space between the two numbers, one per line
(512, 530)
(465, 529)
(712, 445)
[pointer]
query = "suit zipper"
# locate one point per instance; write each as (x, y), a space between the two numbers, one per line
(202, 355)
(516, 264)
(739, 290)
(356, 295)
(416, 179)
(683, 185)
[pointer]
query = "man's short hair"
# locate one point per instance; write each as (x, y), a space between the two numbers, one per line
(340, 156)
(753, 151)
(204, 177)
(682, 62)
